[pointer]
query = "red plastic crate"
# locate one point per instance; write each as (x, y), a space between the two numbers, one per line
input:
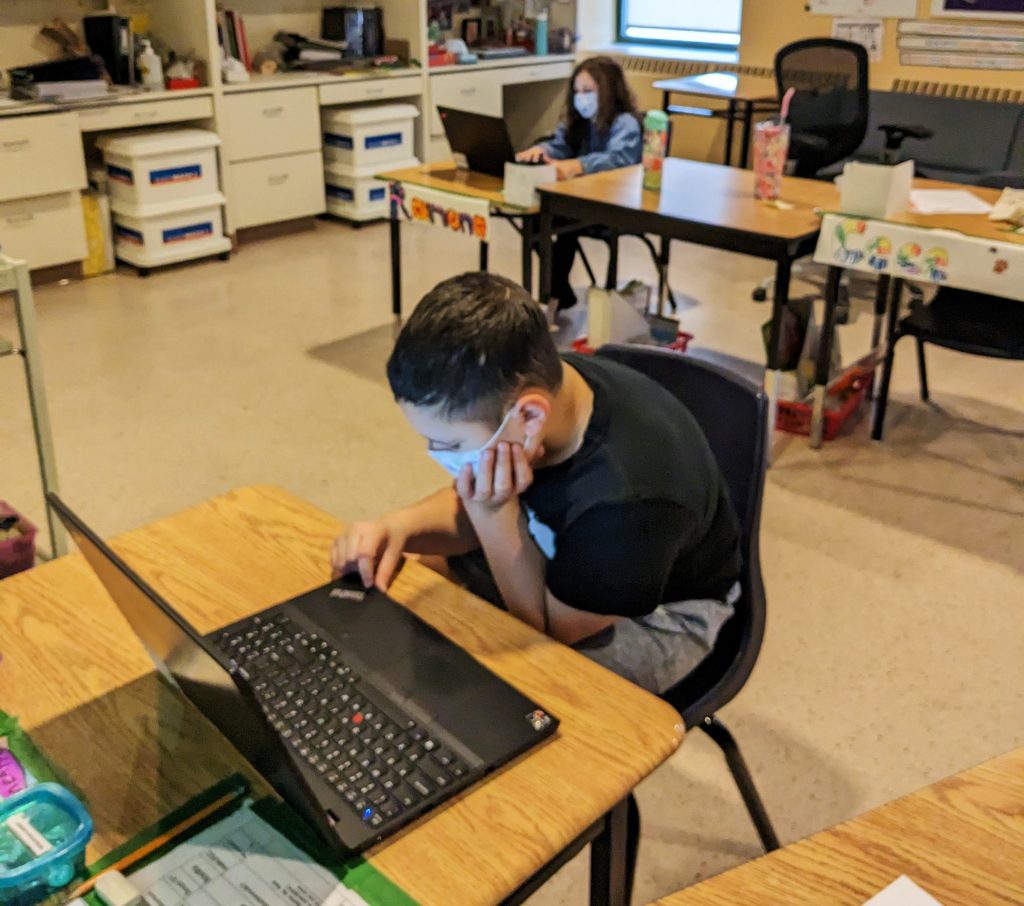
(795, 417)
(681, 342)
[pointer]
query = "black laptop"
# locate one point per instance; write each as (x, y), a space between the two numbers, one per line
(482, 140)
(358, 713)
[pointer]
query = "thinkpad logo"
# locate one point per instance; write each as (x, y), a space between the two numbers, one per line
(538, 720)
(348, 594)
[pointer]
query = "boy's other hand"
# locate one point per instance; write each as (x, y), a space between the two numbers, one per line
(373, 549)
(534, 155)
(503, 474)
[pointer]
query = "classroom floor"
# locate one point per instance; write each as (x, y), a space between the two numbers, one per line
(893, 570)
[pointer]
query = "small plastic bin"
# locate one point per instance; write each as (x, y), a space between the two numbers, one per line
(353, 193)
(368, 136)
(156, 167)
(17, 553)
(842, 406)
(43, 834)
(153, 235)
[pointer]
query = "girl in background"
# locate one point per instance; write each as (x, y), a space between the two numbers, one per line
(600, 130)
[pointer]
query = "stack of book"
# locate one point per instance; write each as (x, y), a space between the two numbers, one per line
(231, 33)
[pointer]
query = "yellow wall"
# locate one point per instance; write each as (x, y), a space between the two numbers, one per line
(768, 24)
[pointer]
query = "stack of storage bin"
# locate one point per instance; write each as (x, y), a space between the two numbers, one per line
(360, 142)
(165, 196)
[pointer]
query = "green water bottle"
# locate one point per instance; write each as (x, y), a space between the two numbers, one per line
(655, 147)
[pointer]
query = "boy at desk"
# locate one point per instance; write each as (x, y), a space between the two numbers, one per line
(585, 498)
(600, 130)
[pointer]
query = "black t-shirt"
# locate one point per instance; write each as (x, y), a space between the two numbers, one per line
(640, 515)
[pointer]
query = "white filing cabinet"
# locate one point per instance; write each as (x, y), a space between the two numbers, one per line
(42, 171)
(272, 143)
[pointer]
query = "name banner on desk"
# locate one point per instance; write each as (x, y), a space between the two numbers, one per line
(455, 213)
(923, 255)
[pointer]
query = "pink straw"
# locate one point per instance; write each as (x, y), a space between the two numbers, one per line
(787, 99)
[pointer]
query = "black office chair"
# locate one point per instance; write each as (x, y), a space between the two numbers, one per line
(733, 413)
(828, 115)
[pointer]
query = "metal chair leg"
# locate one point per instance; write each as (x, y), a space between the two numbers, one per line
(611, 280)
(741, 774)
(586, 264)
(922, 369)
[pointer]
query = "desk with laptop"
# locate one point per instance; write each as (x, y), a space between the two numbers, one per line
(436, 714)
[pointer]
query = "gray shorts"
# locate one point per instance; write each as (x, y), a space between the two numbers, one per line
(655, 651)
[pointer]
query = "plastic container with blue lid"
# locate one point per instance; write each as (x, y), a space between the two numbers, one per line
(43, 834)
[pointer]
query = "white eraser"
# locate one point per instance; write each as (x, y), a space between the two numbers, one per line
(116, 890)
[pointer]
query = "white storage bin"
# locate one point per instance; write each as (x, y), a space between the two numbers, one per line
(174, 231)
(353, 193)
(366, 136)
(155, 167)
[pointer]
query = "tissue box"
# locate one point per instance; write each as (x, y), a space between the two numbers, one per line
(521, 181)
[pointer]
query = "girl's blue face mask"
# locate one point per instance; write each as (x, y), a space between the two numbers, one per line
(452, 461)
(585, 103)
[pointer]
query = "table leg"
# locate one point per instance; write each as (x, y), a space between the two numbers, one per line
(666, 98)
(730, 120)
(882, 398)
(825, 341)
(25, 313)
(610, 860)
(485, 249)
(663, 249)
(881, 303)
(783, 268)
(528, 235)
(748, 125)
(396, 257)
(612, 278)
(545, 249)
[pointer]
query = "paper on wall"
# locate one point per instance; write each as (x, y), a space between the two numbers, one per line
(901, 9)
(870, 33)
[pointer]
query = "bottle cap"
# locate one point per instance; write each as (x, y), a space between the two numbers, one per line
(656, 119)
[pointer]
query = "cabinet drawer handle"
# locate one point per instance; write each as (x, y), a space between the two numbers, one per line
(273, 111)
(144, 114)
(17, 145)
(468, 92)
(372, 91)
(20, 218)
(279, 180)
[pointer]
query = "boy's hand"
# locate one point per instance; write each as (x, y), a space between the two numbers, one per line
(374, 549)
(503, 474)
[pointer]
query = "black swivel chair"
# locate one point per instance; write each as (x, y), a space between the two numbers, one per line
(733, 413)
(828, 116)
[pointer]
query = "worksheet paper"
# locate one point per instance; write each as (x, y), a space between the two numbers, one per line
(947, 201)
(902, 9)
(903, 892)
(241, 861)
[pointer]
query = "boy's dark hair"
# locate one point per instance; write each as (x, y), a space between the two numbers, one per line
(471, 345)
(614, 99)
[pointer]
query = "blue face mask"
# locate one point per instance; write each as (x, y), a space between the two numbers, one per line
(452, 461)
(585, 103)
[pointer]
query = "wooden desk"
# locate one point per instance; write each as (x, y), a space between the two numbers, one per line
(707, 204)
(83, 686)
(961, 839)
(744, 95)
(446, 177)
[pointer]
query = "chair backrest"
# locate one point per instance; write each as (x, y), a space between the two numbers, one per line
(733, 414)
(829, 112)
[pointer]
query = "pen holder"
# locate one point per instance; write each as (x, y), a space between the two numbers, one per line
(771, 148)
(521, 181)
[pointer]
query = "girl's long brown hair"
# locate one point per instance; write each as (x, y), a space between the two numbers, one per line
(613, 94)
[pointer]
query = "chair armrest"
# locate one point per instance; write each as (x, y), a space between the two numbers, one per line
(897, 133)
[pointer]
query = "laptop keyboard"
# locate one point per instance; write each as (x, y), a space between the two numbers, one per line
(365, 746)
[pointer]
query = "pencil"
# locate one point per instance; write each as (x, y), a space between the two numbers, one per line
(159, 842)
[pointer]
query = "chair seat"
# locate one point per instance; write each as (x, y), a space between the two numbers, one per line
(969, 322)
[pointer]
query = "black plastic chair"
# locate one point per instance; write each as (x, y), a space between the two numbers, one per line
(973, 323)
(828, 116)
(733, 413)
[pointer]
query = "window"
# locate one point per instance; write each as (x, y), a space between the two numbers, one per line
(701, 23)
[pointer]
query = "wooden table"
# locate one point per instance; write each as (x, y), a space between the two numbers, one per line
(745, 96)
(972, 253)
(707, 204)
(445, 177)
(961, 839)
(81, 683)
